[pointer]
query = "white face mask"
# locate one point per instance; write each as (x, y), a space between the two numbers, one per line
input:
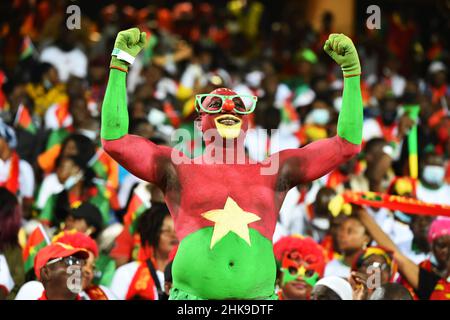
(320, 116)
(434, 174)
(322, 224)
(73, 180)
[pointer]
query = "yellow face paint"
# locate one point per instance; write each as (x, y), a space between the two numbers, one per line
(228, 131)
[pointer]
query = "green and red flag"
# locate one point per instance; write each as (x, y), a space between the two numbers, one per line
(288, 113)
(139, 202)
(27, 48)
(413, 113)
(107, 169)
(23, 120)
(37, 240)
(46, 159)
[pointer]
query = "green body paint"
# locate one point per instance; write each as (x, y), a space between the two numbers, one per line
(350, 122)
(114, 108)
(232, 269)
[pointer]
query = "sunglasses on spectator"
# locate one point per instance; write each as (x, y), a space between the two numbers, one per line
(68, 261)
(243, 104)
(375, 265)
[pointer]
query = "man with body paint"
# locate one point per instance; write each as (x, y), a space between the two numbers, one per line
(225, 213)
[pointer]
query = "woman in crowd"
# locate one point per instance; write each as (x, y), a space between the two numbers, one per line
(352, 237)
(430, 280)
(144, 279)
(301, 262)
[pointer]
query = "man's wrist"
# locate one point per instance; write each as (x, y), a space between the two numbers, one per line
(118, 64)
(351, 71)
(123, 55)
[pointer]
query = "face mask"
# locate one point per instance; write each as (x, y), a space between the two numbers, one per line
(402, 217)
(321, 223)
(72, 180)
(320, 116)
(47, 84)
(434, 174)
(433, 260)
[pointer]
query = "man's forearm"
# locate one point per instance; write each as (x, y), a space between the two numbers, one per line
(114, 108)
(350, 120)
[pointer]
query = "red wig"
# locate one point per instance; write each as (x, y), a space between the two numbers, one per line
(307, 248)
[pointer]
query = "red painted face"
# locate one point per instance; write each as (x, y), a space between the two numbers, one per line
(208, 121)
(312, 263)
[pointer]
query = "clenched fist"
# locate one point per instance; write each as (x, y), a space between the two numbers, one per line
(127, 46)
(343, 51)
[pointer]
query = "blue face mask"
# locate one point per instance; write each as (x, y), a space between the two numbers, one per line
(405, 218)
(72, 180)
(320, 116)
(434, 174)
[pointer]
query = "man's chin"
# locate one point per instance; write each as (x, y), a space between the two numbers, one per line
(227, 131)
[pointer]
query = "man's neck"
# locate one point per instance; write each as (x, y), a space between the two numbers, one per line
(57, 295)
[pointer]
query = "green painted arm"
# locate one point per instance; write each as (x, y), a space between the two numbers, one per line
(114, 109)
(350, 121)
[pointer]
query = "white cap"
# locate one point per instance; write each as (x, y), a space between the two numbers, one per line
(254, 78)
(437, 66)
(340, 286)
(31, 290)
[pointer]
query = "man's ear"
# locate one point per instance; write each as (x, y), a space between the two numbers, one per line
(45, 274)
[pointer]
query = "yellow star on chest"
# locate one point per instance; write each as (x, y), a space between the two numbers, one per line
(230, 218)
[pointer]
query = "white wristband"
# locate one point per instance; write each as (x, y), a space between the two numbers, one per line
(122, 55)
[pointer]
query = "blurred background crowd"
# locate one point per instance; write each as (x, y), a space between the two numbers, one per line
(58, 185)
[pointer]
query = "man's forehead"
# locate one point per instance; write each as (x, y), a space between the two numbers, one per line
(224, 92)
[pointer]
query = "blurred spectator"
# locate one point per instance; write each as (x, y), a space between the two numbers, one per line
(373, 267)
(301, 263)
(16, 174)
(52, 263)
(52, 82)
(332, 288)
(65, 56)
(80, 240)
(12, 274)
(352, 237)
(391, 291)
(432, 186)
(144, 279)
(46, 89)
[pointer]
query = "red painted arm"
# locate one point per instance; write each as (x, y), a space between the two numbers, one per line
(314, 160)
(141, 157)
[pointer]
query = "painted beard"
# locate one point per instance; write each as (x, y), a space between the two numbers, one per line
(228, 126)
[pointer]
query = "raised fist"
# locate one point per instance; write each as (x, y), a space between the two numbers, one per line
(127, 46)
(343, 51)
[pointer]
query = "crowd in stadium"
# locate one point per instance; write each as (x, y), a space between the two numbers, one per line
(60, 192)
